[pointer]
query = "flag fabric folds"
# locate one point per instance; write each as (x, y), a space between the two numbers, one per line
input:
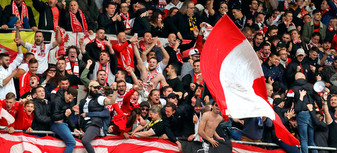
(233, 74)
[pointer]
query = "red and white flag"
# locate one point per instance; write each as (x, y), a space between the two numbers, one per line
(233, 74)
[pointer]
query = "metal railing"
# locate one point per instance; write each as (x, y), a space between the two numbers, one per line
(47, 133)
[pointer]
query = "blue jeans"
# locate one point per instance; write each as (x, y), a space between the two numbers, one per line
(63, 131)
(306, 131)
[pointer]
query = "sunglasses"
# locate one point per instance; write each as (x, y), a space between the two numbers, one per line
(224, 7)
(97, 87)
(145, 109)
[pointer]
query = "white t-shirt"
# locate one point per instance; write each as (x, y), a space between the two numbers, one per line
(41, 57)
(24, 66)
(160, 68)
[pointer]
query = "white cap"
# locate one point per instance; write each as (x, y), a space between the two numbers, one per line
(300, 51)
(193, 52)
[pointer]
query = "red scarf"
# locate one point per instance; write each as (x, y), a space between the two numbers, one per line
(286, 5)
(325, 11)
(330, 28)
(297, 41)
(262, 27)
(74, 65)
(42, 48)
(24, 12)
(100, 44)
(150, 77)
(302, 13)
(76, 25)
(195, 76)
(126, 59)
(61, 50)
(179, 55)
(106, 70)
(126, 21)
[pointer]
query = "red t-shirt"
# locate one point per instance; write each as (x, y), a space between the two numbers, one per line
(23, 121)
(56, 14)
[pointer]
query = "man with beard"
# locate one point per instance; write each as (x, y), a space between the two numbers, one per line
(151, 75)
(39, 49)
(8, 71)
(94, 102)
(110, 20)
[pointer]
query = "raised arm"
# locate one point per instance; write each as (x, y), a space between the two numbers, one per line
(84, 75)
(111, 101)
(58, 37)
(132, 74)
(328, 118)
(140, 65)
(166, 58)
(147, 50)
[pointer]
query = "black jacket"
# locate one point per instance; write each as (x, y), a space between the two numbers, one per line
(141, 24)
(181, 122)
(7, 15)
(66, 21)
(42, 115)
(59, 107)
(182, 24)
(292, 70)
(111, 27)
(93, 51)
(309, 98)
(93, 107)
(46, 15)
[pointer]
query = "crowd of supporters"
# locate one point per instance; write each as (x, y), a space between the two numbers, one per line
(142, 87)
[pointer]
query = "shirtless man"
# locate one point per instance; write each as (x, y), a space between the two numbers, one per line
(150, 75)
(209, 121)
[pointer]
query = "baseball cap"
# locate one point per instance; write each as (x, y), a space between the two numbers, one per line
(193, 52)
(144, 103)
(172, 95)
(300, 51)
(94, 84)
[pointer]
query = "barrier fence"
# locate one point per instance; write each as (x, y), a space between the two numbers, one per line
(48, 133)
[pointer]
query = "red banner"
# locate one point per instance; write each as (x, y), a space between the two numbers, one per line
(24, 143)
(20, 142)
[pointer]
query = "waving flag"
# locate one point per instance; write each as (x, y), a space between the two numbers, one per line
(234, 77)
